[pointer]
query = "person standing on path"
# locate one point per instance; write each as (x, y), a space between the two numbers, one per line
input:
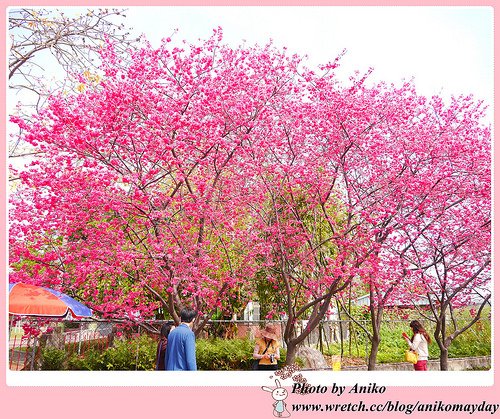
(419, 343)
(162, 345)
(181, 351)
(267, 348)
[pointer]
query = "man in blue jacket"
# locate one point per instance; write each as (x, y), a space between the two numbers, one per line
(181, 353)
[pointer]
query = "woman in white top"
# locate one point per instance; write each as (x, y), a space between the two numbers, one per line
(419, 343)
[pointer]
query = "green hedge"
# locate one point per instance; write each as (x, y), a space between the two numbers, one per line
(211, 354)
(229, 354)
(224, 355)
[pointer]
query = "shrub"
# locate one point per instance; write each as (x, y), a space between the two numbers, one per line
(124, 355)
(220, 354)
(229, 354)
(91, 361)
(52, 359)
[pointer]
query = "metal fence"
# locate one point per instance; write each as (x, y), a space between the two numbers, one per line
(25, 350)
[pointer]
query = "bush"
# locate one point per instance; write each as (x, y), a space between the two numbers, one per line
(91, 361)
(52, 359)
(229, 354)
(124, 355)
(224, 355)
(211, 354)
(120, 357)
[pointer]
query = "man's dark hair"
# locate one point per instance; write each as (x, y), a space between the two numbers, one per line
(187, 314)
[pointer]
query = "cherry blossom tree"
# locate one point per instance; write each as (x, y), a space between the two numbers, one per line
(47, 49)
(179, 178)
(408, 163)
(310, 247)
(454, 261)
(139, 202)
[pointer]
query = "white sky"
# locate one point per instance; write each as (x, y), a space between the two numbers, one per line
(449, 50)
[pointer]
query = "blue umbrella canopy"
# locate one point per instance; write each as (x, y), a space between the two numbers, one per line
(32, 300)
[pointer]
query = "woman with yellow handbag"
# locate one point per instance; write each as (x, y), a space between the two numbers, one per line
(419, 343)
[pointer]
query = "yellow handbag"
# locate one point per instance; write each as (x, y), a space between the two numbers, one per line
(411, 356)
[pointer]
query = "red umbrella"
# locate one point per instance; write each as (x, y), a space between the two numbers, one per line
(32, 300)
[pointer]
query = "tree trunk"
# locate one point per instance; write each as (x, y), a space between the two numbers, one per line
(443, 359)
(372, 359)
(291, 350)
(376, 312)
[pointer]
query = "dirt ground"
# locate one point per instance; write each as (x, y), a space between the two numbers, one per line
(347, 361)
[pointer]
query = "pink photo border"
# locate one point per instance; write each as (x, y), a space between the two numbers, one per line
(223, 398)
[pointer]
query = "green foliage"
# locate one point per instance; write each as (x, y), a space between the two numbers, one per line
(359, 312)
(476, 341)
(123, 355)
(221, 354)
(211, 354)
(91, 361)
(228, 354)
(52, 359)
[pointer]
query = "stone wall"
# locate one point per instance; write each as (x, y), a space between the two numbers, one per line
(455, 364)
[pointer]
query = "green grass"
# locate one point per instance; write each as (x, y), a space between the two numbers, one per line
(476, 341)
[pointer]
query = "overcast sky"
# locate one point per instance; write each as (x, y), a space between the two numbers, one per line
(448, 50)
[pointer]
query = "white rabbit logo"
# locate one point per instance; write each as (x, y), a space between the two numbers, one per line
(279, 394)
